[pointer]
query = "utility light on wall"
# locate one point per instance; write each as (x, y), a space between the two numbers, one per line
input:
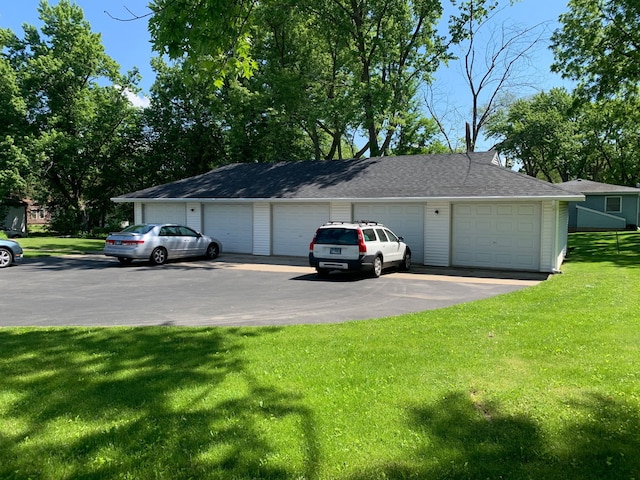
(437, 212)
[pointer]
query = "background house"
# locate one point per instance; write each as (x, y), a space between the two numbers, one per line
(453, 210)
(13, 217)
(16, 216)
(606, 207)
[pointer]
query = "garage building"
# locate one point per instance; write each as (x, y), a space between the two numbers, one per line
(461, 210)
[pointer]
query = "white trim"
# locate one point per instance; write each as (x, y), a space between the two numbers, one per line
(598, 212)
(576, 197)
(607, 197)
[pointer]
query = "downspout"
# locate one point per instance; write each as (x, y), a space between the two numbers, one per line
(556, 237)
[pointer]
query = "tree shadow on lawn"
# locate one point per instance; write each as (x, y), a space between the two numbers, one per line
(464, 439)
(622, 249)
(141, 403)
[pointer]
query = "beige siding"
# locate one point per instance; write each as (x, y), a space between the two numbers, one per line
(261, 229)
(547, 237)
(194, 216)
(437, 234)
(137, 213)
(562, 234)
(340, 212)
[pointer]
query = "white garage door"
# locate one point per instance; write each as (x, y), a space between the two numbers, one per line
(231, 224)
(406, 220)
(294, 227)
(165, 213)
(496, 236)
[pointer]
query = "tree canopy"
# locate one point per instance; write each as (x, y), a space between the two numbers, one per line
(599, 46)
(67, 104)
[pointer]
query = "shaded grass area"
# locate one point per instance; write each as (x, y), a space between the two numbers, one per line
(539, 383)
(39, 246)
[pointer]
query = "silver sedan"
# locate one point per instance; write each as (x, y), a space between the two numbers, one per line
(160, 242)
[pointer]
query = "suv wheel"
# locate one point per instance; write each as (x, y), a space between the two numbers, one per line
(377, 267)
(322, 272)
(406, 261)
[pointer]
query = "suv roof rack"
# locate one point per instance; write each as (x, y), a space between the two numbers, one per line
(367, 222)
(355, 222)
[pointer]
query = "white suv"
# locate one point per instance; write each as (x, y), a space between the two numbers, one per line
(367, 246)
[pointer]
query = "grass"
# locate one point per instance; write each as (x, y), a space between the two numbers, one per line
(540, 383)
(40, 246)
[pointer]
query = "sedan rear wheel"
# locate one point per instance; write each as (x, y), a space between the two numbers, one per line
(6, 258)
(212, 251)
(158, 256)
(377, 267)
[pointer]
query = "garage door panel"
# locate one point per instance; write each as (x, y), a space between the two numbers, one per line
(165, 213)
(496, 235)
(231, 224)
(294, 226)
(405, 219)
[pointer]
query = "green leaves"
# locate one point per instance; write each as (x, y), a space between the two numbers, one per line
(598, 46)
(63, 106)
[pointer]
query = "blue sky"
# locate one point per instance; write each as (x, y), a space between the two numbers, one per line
(128, 41)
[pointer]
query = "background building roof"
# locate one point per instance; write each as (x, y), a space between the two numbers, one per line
(588, 186)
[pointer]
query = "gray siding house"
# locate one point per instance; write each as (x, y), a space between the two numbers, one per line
(453, 210)
(606, 207)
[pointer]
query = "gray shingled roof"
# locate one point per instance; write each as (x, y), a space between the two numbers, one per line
(588, 186)
(461, 175)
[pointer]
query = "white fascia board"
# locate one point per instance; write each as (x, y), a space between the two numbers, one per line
(566, 198)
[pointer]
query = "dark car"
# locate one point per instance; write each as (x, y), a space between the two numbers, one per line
(10, 252)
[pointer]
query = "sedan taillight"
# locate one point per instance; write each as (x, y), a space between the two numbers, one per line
(124, 242)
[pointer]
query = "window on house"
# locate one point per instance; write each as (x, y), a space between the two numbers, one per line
(613, 204)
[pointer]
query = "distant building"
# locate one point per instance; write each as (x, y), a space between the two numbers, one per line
(13, 217)
(606, 208)
(16, 216)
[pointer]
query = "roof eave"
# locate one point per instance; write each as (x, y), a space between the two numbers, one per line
(565, 198)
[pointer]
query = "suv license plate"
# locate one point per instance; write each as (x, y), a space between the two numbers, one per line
(335, 251)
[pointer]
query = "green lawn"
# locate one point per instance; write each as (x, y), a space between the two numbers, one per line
(543, 383)
(39, 246)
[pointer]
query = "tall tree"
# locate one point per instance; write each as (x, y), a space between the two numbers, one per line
(541, 134)
(183, 127)
(611, 139)
(491, 59)
(212, 37)
(74, 119)
(350, 68)
(14, 165)
(599, 47)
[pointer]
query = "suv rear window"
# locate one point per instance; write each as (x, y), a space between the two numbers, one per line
(337, 236)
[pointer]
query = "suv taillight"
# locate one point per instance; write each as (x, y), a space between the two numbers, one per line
(313, 241)
(362, 248)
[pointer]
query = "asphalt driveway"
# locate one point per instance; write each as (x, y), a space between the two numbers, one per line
(92, 290)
